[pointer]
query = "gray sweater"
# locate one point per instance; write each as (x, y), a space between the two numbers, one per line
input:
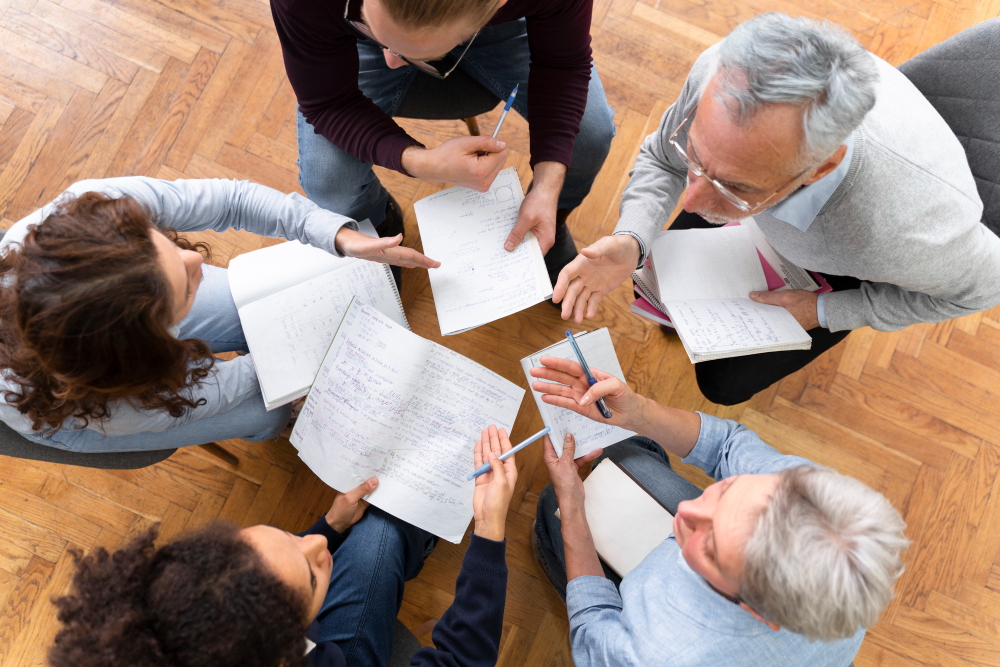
(905, 219)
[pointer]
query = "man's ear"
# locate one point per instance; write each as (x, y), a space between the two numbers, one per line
(753, 612)
(828, 165)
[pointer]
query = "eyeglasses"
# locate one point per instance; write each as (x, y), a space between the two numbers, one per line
(719, 187)
(421, 65)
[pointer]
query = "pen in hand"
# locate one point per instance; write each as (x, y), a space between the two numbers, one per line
(510, 452)
(503, 114)
(591, 380)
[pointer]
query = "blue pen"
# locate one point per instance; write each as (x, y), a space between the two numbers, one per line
(591, 380)
(510, 452)
(506, 108)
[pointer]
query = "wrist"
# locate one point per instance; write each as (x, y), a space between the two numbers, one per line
(414, 161)
(490, 530)
(337, 524)
(638, 419)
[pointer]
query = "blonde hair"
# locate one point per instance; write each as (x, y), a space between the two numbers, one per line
(418, 14)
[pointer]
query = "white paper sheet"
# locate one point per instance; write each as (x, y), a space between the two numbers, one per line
(389, 403)
(478, 281)
(795, 277)
(707, 264)
(590, 435)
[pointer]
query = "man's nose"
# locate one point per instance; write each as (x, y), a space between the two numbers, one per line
(699, 194)
(392, 60)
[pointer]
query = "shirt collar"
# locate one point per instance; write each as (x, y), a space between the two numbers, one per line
(801, 207)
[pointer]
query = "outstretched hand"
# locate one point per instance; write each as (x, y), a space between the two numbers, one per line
(599, 268)
(567, 387)
(348, 508)
(385, 250)
(495, 487)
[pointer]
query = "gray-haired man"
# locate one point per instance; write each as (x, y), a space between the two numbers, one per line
(844, 165)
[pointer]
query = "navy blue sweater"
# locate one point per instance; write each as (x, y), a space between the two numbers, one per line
(468, 634)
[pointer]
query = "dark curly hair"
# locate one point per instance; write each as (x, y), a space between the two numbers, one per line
(205, 600)
(85, 316)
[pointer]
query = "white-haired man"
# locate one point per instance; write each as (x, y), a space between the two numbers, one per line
(845, 166)
(780, 562)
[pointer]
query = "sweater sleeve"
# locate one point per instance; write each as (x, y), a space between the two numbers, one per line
(468, 634)
(559, 43)
(321, 527)
(321, 59)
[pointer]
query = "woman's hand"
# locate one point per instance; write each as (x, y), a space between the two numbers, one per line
(384, 250)
(348, 508)
(493, 488)
(574, 393)
(564, 471)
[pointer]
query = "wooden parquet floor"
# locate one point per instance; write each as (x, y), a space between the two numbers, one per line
(94, 88)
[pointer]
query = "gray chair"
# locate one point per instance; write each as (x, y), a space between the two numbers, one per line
(13, 444)
(404, 645)
(961, 79)
(459, 97)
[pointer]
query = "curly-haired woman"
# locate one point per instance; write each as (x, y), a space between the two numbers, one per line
(109, 320)
(261, 597)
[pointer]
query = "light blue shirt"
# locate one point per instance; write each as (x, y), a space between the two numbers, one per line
(801, 207)
(667, 614)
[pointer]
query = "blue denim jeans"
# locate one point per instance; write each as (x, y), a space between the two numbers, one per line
(214, 319)
(498, 59)
(379, 555)
(649, 464)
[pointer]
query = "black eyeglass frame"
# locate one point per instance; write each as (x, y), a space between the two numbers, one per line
(425, 67)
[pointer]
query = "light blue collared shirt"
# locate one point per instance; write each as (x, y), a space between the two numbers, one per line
(667, 615)
(801, 207)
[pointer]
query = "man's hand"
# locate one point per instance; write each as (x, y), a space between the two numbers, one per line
(600, 267)
(348, 508)
(564, 471)
(567, 387)
(799, 302)
(494, 488)
(458, 161)
(386, 251)
(538, 210)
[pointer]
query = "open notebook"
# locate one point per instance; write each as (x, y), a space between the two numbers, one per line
(704, 278)
(478, 281)
(599, 352)
(625, 520)
(391, 404)
(290, 299)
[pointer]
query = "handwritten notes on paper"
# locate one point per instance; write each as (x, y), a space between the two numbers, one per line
(590, 435)
(722, 326)
(390, 404)
(291, 298)
(478, 281)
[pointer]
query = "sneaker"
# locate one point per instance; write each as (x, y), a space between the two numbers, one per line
(390, 226)
(562, 252)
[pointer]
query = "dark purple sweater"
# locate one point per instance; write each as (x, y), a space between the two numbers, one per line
(321, 59)
(468, 634)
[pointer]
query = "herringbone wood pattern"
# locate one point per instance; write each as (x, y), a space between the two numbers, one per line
(93, 88)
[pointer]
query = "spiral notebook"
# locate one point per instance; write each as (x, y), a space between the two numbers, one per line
(290, 299)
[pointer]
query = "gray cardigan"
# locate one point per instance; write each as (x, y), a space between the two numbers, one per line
(905, 219)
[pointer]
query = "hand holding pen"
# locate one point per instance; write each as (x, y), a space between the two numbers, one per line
(506, 110)
(563, 383)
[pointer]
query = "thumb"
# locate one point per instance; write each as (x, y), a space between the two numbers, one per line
(569, 447)
(765, 297)
(354, 495)
(488, 144)
(517, 234)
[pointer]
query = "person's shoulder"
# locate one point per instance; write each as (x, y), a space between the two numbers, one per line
(318, 13)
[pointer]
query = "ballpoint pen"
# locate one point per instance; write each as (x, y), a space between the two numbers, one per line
(591, 380)
(510, 452)
(506, 109)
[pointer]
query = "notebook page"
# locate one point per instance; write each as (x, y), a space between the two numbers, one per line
(391, 404)
(794, 276)
(478, 281)
(349, 420)
(288, 333)
(590, 435)
(706, 264)
(732, 327)
(423, 479)
(625, 521)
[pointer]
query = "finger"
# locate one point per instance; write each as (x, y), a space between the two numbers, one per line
(477, 459)
(494, 441)
(551, 389)
(565, 365)
(516, 235)
(354, 495)
(566, 276)
(487, 144)
(587, 458)
(569, 302)
(560, 377)
(504, 440)
(569, 447)
(408, 258)
(499, 473)
(766, 297)
(580, 307)
(548, 452)
(600, 390)
(565, 402)
(592, 303)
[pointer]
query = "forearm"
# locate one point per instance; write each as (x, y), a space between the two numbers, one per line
(675, 430)
(547, 182)
(578, 543)
(887, 307)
